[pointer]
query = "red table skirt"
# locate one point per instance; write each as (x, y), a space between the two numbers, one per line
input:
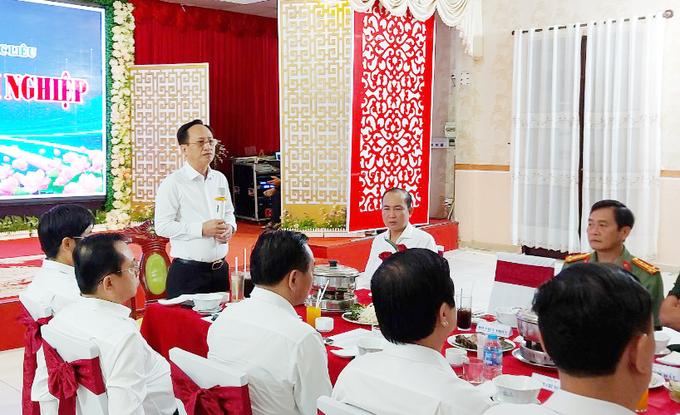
(165, 327)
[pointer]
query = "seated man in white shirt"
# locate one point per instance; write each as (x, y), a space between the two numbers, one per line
(596, 324)
(59, 230)
(397, 207)
(137, 378)
(285, 358)
(413, 299)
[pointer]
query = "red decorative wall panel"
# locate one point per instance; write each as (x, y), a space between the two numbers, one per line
(391, 113)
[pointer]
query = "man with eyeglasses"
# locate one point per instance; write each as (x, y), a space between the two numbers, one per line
(136, 377)
(59, 230)
(194, 210)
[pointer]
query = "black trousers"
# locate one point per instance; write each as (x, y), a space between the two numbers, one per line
(191, 277)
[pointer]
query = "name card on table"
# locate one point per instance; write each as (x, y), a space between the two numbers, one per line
(494, 328)
(548, 383)
(668, 372)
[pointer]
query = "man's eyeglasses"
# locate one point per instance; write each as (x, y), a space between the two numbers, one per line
(202, 143)
(134, 268)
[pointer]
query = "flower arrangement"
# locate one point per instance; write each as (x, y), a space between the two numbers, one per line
(120, 156)
(335, 218)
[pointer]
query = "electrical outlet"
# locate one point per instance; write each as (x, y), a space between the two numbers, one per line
(464, 78)
(438, 143)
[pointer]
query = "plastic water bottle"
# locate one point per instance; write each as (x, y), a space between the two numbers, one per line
(493, 357)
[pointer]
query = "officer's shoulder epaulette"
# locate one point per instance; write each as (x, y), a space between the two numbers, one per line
(649, 268)
(577, 257)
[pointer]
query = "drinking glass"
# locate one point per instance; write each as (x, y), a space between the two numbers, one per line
(473, 369)
(642, 403)
(464, 312)
(236, 286)
(313, 311)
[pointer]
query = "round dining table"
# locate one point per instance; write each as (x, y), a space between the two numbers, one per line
(168, 326)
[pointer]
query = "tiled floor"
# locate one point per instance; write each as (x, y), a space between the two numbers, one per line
(472, 271)
(10, 381)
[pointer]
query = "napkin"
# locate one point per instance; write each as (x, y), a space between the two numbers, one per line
(350, 338)
(177, 300)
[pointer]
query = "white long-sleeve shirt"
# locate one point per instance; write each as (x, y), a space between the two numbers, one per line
(184, 201)
(407, 379)
(54, 285)
(562, 403)
(137, 378)
(412, 237)
(284, 358)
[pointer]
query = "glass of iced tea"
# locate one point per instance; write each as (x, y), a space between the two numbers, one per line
(464, 303)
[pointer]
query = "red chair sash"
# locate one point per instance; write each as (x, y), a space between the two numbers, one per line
(33, 343)
(63, 378)
(522, 274)
(213, 401)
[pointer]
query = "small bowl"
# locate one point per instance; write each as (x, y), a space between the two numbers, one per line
(507, 316)
(517, 389)
(369, 345)
(661, 341)
(207, 301)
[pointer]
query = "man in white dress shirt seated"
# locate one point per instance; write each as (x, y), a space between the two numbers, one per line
(137, 378)
(59, 230)
(413, 298)
(397, 207)
(596, 324)
(194, 210)
(285, 358)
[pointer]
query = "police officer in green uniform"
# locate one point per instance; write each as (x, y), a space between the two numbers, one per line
(609, 225)
(670, 308)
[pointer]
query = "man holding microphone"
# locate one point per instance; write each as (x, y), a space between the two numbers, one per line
(194, 210)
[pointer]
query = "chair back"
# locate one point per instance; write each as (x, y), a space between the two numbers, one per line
(70, 349)
(329, 406)
(36, 309)
(205, 373)
(516, 280)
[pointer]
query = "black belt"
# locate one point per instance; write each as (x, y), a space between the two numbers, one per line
(214, 266)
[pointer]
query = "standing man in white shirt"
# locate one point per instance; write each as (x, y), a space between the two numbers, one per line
(397, 207)
(59, 230)
(285, 358)
(596, 324)
(194, 210)
(413, 299)
(137, 378)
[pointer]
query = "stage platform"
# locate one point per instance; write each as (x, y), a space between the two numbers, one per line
(20, 259)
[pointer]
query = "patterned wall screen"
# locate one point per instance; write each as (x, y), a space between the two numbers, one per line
(164, 97)
(315, 86)
(391, 113)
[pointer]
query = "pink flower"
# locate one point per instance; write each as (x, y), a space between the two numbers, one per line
(73, 188)
(8, 185)
(66, 173)
(35, 181)
(97, 158)
(89, 182)
(20, 164)
(5, 171)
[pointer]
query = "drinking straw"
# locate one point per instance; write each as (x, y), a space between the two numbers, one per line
(321, 293)
(245, 261)
(236, 268)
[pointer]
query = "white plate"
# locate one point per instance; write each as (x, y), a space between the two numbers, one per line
(208, 312)
(348, 313)
(499, 398)
(672, 359)
(664, 352)
(517, 354)
(656, 381)
(346, 353)
(507, 344)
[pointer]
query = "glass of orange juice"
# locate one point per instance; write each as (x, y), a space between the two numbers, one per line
(642, 403)
(313, 311)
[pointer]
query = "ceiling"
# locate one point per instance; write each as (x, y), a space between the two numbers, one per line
(265, 8)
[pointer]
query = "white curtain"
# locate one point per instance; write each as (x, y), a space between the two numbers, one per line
(545, 138)
(464, 15)
(622, 124)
